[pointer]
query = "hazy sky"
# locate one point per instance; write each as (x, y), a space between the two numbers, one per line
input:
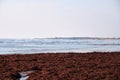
(59, 18)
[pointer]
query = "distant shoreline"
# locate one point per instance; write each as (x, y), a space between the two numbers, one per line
(67, 38)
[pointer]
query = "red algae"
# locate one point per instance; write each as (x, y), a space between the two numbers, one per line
(62, 66)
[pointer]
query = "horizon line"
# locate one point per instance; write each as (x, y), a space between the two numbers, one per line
(63, 38)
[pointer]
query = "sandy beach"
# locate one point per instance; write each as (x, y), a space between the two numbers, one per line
(61, 66)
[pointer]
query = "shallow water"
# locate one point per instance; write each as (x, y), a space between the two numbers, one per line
(39, 45)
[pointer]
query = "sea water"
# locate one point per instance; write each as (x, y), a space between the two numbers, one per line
(44, 45)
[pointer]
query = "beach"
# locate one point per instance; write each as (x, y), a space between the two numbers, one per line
(61, 66)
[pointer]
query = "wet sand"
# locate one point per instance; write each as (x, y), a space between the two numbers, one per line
(62, 66)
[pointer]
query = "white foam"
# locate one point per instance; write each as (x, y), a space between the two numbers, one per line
(24, 75)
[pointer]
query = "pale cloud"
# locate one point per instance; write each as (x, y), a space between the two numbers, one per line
(56, 18)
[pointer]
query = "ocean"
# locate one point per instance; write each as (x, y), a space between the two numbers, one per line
(72, 44)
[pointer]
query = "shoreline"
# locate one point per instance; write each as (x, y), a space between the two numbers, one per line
(84, 52)
(62, 66)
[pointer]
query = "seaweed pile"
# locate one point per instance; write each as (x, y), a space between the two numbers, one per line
(62, 66)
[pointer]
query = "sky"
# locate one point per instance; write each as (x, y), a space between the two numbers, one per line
(59, 18)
